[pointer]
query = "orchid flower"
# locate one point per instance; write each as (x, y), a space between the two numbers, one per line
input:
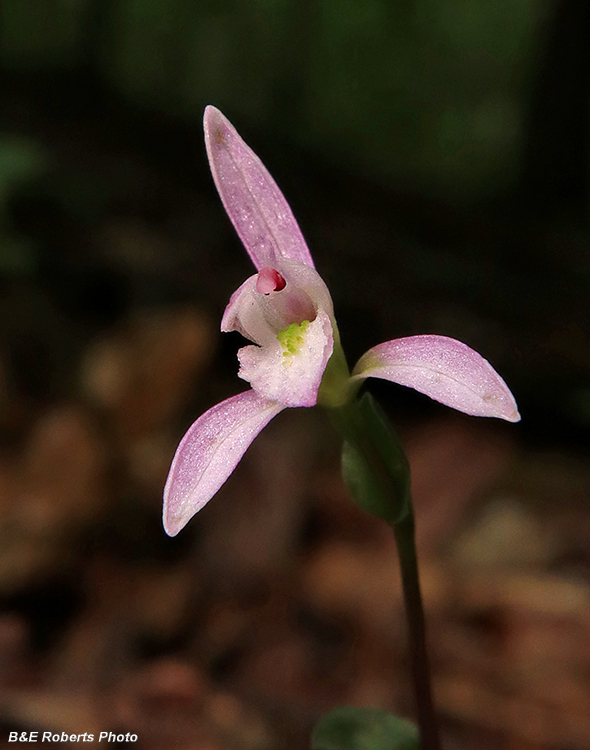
(295, 358)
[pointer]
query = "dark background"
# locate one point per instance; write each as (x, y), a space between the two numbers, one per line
(435, 153)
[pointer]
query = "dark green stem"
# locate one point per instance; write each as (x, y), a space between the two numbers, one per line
(366, 429)
(406, 547)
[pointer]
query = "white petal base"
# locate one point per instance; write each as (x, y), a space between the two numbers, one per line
(291, 379)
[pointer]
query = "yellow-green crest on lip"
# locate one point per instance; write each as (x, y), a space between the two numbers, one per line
(291, 338)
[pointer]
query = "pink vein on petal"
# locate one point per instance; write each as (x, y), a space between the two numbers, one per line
(210, 451)
(253, 201)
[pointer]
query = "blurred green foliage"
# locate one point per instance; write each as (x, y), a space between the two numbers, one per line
(21, 160)
(39, 33)
(363, 729)
(429, 92)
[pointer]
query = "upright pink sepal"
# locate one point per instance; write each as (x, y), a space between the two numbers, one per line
(252, 199)
(209, 452)
(444, 369)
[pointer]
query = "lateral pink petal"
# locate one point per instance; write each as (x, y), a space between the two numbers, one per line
(258, 210)
(444, 369)
(209, 452)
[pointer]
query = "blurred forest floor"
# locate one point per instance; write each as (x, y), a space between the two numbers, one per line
(280, 600)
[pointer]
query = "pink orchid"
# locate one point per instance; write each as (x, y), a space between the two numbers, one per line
(296, 359)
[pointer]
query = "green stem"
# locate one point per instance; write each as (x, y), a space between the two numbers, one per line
(406, 547)
(367, 430)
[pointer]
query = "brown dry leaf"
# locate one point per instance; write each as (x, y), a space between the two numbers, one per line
(60, 473)
(358, 583)
(70, 712)
(453, 463)
(161, 599)
(144, 373)
(161, 702)
(506, 535)
(50, 492)
(238, 725)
